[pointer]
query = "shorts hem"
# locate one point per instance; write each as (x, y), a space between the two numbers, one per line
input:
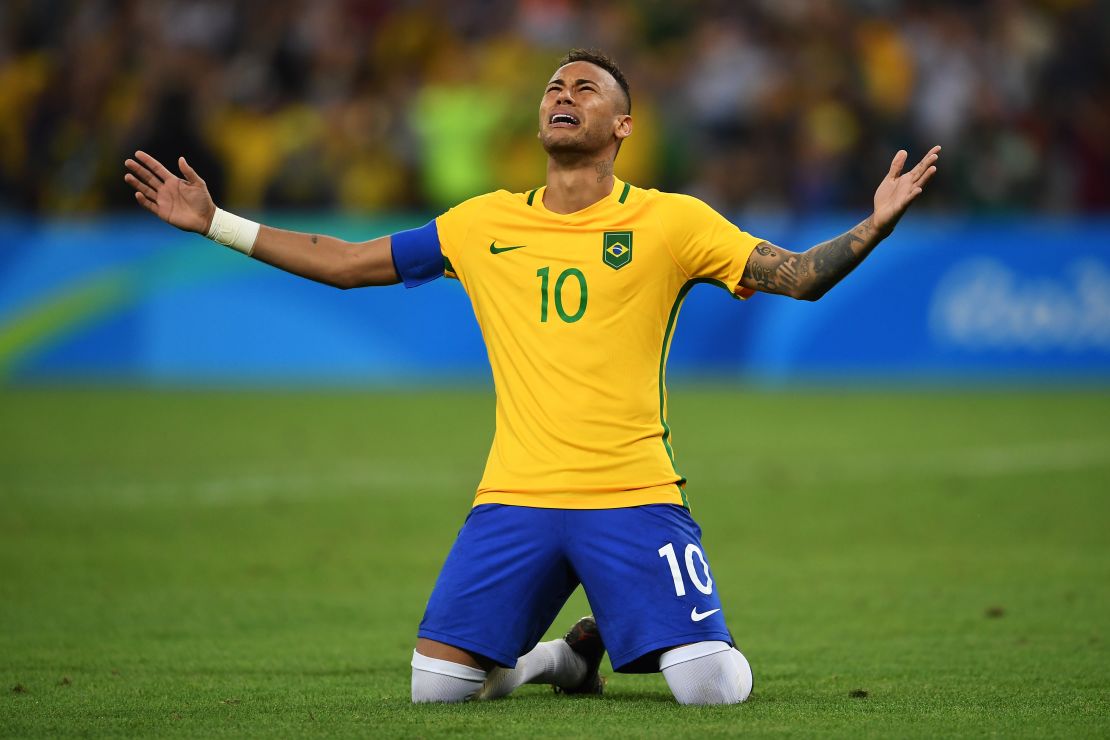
(464, 644)
(628, 657)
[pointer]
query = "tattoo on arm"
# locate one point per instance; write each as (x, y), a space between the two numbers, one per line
(773, 269)
(809, 275)
(315, 238)
(762, 273)
(835, 257)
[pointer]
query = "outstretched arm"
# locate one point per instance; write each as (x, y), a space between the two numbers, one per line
(809, 275)
(185, 203)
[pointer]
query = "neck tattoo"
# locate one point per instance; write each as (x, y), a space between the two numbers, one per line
(604, 169)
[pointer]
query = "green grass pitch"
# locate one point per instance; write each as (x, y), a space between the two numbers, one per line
(228, 564)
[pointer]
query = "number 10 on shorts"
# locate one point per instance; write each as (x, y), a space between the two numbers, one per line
(706, 587)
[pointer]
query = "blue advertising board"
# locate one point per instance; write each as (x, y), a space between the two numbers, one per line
(131, 300)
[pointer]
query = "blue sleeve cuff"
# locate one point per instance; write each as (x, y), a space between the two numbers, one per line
(416, 255)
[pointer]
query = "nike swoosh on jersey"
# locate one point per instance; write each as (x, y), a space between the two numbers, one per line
(697, 616)
(494, 249)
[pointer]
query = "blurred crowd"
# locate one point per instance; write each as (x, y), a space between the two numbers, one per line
(372, 105)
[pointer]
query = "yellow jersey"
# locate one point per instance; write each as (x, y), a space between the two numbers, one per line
(577, 311)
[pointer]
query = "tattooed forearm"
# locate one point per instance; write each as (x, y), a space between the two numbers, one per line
(315, 238)
(834, 259)
(810, 274)
(794, 273)
(835, 255)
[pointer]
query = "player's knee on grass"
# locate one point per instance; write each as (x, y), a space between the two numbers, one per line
(707, 673)
(441, 681)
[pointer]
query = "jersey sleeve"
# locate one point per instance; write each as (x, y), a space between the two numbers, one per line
(705, 244)
(453, 227)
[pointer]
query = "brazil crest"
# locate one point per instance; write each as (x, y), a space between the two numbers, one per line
(616, 249)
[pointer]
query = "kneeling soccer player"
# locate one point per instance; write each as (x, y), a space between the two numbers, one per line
(577, 286)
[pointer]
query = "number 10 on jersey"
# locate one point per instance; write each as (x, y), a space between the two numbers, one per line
(544, 274)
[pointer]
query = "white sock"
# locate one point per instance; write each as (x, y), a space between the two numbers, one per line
(708, 672)
(549, 662)
(435, 680)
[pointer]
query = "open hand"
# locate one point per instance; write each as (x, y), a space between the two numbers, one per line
(897, 191)
(184, 203)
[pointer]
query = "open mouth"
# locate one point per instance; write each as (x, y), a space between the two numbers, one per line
(562, 120)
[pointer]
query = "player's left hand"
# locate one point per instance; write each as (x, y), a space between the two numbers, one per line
(898, 189)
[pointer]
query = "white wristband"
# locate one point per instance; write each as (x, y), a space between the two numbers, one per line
(233, 231)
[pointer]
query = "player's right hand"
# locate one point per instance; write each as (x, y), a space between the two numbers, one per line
(184, 203)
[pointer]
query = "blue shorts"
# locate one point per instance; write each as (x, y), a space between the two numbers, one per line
(513, 567)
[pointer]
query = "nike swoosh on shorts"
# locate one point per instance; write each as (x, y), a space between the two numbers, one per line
(697, 616)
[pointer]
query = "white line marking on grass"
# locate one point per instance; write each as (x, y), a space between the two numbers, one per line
(1044, 457)
(255, 486)
(971, 462)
